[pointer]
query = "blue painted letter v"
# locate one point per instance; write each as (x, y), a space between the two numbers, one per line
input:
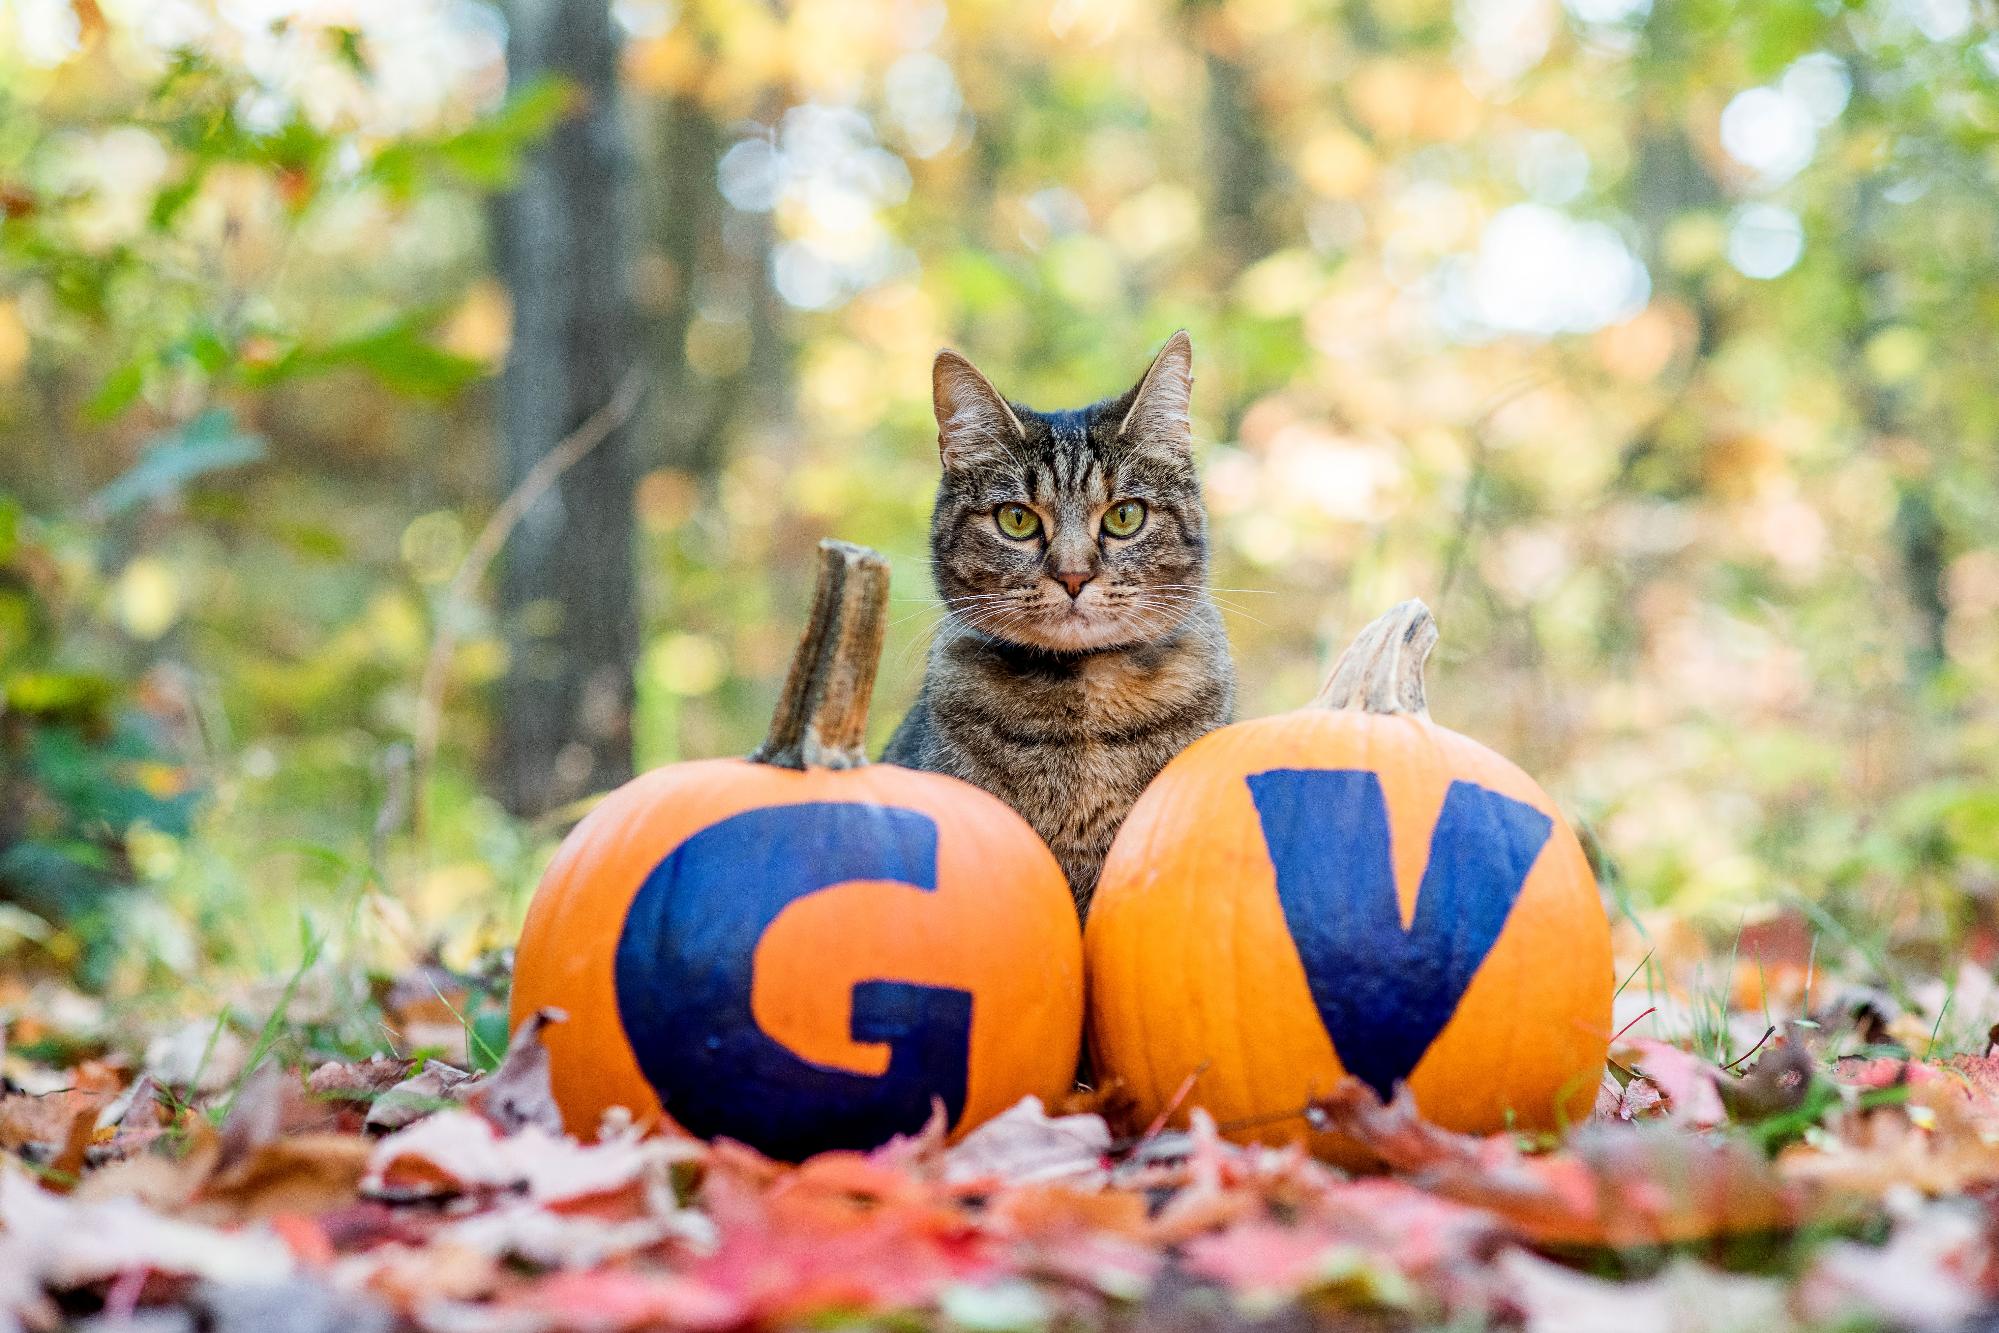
(1383, 992)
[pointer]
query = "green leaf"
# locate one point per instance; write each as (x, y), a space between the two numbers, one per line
(209, 443)
(486, 155)
(119, 391)
(58, 692)
(398, 354)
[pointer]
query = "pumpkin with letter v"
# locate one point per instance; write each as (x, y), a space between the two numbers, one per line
(802, 950)
(1351, 889)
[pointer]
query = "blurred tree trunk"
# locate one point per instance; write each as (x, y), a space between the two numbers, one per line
(568, 589)
(721, 348)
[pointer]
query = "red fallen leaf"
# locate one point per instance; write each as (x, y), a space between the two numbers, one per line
(1642, 1185)
(1978, 1075)
(610, 1301)
(790, 1253)
(1691, 1085)
(854, 1175)
(1096, 1238)
(366, 1223)
(304, 1237)
(1265, 1265)
(1883, 1072)
(1419, 1231)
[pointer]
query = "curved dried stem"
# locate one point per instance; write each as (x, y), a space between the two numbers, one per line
(822, 716)
(1383, 671)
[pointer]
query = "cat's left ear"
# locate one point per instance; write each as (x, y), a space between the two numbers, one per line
(1158, 415)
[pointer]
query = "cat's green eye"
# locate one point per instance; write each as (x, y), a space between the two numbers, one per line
(1124, 518)
(1017, 521)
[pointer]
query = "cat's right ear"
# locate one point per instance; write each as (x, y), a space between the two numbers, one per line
(973, 421)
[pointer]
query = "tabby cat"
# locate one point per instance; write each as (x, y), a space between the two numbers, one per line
(1080, 650)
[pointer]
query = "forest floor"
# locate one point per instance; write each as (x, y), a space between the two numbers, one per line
(1836, 1169)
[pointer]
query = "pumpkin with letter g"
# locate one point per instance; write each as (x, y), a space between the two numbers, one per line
(1350, 889)
(802, 950)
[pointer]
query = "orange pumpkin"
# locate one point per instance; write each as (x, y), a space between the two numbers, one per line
(802, 950)
(1350, 889)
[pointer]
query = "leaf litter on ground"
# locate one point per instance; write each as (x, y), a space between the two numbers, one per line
(1821, 1179)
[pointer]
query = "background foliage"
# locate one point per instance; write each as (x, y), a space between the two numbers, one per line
(1651, 346)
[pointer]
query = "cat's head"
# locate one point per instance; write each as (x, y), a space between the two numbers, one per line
(1069, 531)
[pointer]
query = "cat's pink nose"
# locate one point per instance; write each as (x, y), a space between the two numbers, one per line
(1074, 581)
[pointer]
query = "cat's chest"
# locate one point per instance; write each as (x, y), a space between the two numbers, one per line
(1095, 734)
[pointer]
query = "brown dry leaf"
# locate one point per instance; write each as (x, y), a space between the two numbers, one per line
(1215, 1182)
(256, 1114)
(303, 1173)
(1873, 1153)
(361, 1081)
(518, 1093)
(432, 1088)
(459, 1152)
(44, 1129)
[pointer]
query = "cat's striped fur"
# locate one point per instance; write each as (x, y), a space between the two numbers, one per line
(1071, 666)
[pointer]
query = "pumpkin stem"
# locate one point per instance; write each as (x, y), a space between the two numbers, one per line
(1383, 671)
(822, 716)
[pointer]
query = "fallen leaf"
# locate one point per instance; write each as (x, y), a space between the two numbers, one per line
(1690, 1085)
(613, 1301)
(1687, 1297)
(1025, 1145)
(302, 1173)
(1609, 1185)
(1265, 1266)
(359, 1081)
(1640, 1099)
(69, 1244)
(788, 1254)
(432, 1088)
(518, 1093)
(532, 1234)
(1936, 1271)
(256, 1114)
(459, 1152)
(1099, 1239)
